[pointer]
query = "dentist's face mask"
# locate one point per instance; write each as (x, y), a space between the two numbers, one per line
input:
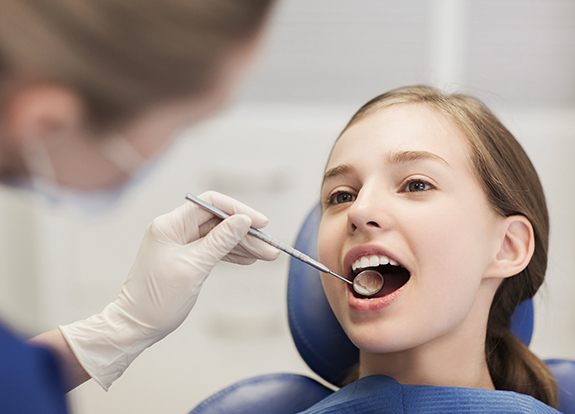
(43, 180)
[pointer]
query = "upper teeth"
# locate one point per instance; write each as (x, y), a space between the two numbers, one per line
(372, 261)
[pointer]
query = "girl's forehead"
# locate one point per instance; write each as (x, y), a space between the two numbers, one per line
(401, 128)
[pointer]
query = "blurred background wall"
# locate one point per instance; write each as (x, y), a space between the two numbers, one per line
(320, 61)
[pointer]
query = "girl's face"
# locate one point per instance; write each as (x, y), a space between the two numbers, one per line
(399, 188)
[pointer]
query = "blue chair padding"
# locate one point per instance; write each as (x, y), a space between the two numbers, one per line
(564, 372)
(273, 393)
(522, 321)
(317, 334)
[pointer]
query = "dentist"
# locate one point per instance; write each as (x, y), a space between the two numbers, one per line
(90, 93)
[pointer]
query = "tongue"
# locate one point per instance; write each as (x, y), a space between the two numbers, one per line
(393, 281)
(394, 278)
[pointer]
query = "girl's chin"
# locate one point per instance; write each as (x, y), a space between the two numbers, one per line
(386, 341)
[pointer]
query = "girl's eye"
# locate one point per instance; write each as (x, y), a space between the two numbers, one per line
(340, 197)
(417, 185)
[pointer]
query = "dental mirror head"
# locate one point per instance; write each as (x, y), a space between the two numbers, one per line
(368, 283)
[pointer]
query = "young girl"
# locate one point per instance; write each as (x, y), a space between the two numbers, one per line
(434, 192)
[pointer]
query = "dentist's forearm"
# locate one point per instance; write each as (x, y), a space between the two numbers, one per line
(74, 374)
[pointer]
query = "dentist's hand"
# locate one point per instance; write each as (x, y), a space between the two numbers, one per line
(176, 255)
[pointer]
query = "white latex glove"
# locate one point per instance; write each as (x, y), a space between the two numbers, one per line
(177, 253)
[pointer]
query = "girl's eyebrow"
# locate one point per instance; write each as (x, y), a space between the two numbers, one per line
(408, 156)
(335, 171)
(392, 158)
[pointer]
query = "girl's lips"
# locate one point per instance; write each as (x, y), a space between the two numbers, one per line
(395, 279)
(373, 304)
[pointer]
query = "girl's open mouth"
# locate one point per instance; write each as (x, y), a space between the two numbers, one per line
(394, 274)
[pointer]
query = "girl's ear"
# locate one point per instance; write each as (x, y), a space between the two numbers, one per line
(516, 248)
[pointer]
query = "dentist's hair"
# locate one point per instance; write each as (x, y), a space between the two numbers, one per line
(512, 187)
(123, 56)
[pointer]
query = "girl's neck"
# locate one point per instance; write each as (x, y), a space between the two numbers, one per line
(431, 364)
(455, 359)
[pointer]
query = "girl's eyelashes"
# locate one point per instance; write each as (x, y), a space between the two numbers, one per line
(340, 197)
(412, 185)
(416, 185)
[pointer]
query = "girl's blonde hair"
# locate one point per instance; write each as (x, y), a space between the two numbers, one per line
(123, 56)
(513, 188)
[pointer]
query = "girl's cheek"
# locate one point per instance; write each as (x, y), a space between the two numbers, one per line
(323, 246)
(327, 242)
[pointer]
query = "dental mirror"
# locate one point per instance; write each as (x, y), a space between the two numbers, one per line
(368, 283)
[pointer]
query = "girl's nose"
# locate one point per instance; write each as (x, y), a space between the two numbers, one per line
(368, 212)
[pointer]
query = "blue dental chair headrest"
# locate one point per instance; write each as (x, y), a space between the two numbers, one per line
(324, 346)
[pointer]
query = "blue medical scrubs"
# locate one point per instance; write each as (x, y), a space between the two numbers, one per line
(381, 394)
(30, 381)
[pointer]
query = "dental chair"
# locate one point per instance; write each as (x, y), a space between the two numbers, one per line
(326, 349)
